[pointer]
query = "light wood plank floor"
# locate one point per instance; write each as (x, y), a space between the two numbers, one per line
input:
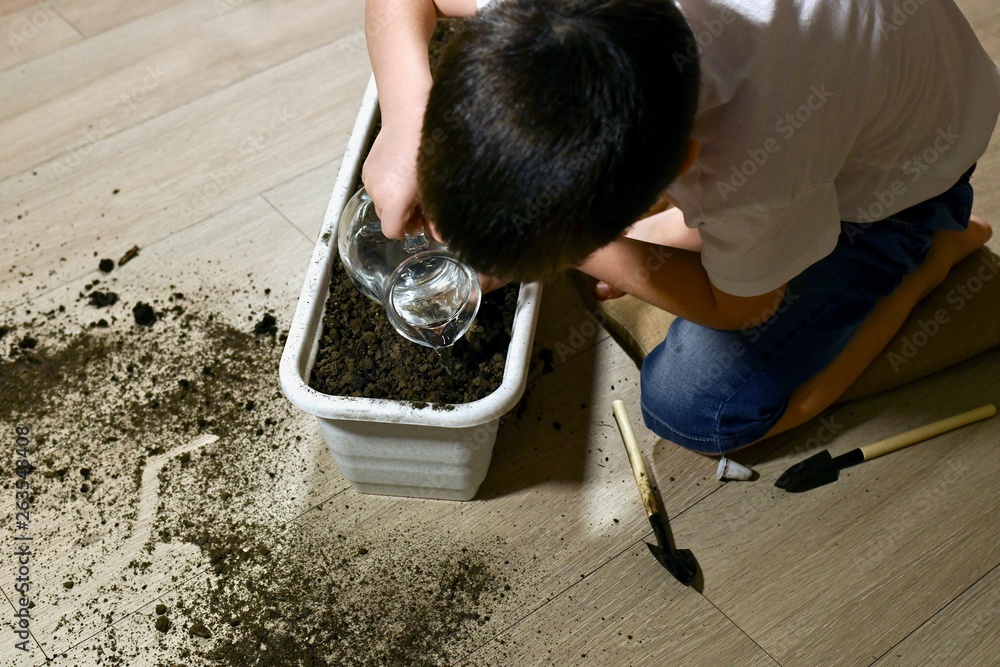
(209, 133)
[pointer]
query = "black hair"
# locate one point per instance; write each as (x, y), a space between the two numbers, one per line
(552, 125)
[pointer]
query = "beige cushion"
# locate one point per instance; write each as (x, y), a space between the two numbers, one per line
(958, 320)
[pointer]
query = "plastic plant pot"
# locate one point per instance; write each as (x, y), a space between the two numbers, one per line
(392, 447)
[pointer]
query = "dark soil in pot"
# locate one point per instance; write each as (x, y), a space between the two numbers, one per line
(360, 354)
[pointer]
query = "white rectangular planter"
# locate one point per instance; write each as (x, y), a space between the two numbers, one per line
(390, 447)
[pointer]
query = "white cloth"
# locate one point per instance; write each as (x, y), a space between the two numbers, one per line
(817, 111)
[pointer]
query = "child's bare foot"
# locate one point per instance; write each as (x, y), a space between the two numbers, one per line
(949, 248)
(983, 228)
(979, 232)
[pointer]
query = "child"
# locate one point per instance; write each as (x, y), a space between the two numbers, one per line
(818, 153)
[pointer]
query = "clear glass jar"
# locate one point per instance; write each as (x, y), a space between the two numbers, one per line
(430, 297)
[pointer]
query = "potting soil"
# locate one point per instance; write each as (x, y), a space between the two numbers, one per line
(360, 354)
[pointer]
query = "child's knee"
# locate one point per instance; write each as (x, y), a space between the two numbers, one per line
(705, 426)
(710, 417)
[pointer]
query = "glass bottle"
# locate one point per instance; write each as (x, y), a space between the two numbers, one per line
(430, 297)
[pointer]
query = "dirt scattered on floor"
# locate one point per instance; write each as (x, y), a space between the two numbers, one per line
(109, 399)
(100, 299)
(276, 593)
(267, 326)
(401, 603)
(144, 314)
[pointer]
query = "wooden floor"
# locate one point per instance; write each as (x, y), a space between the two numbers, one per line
(210, 131)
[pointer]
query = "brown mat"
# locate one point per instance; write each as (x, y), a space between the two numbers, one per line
(958, 320)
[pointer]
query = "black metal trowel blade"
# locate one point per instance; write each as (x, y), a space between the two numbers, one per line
(817, 470)
(681, 563)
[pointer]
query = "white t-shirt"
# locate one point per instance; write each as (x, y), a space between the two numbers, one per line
(817, 111)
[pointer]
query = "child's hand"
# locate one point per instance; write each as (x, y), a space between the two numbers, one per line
(390, 176)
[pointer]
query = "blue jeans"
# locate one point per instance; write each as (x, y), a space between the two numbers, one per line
(715, 391)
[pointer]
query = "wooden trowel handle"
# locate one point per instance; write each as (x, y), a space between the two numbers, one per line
(926, 432)
(635, 458)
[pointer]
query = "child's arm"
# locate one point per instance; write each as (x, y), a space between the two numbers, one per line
(666, 228)
(398, 33)
(676, 281)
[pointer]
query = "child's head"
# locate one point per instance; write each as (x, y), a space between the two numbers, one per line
(552, 126)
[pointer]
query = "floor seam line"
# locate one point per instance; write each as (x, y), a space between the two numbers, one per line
(744, 632)
(29, 300)
(934, 615)
(553, 598)
(167, 112)
(286, 218)
(83, 37)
